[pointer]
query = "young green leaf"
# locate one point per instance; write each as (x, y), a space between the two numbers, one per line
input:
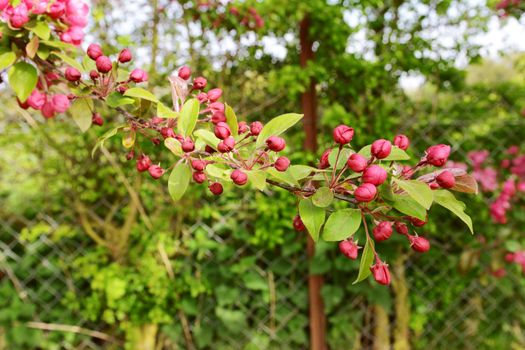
(312, 217)
(179, 180)
(258, 179)
(277, 126)
(366, 261)
(407, 205)
(141, 93)
(231, 120)
(343, 157)
(208, 137)
(165, 112)
(188, 117)
(7, 59)
(447, 200)
(299, 172)
(40, 28)
(115, 99)
(23, 78)
(342, 224)
(174, 146)
(71, 61)
(110, 133)
(417, 190)
(323, 197)
(81, 112)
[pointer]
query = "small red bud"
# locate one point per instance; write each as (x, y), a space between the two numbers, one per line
(276, 143)
(380, 272)
(365, 193)
(239, 178)
(374, 174)
(349, 249)
(446, 179)
(417, 222)
(125, 56)
(130, 155)
(214, 94)
(243, 127)
(198, 164)
(94, 51)
(222, 130)
(381, 148)
(94, 75)
(437, 155)
(143, 163)
(96, 119)
(401, 228)
(419, 244)
(167, 132)
(298, 224)
(199, 177)
(323, 161)
(138, 76)
(227, 145)
(202, 97)
(356, 162)
(156, 171)
(255, 128)
(184, 72)
(382, 231)
(216, 188)
(343, 134)
(282, 163)
(402, 142)
(103, 64)
(199, 83)
(72, 74)
(187, 145)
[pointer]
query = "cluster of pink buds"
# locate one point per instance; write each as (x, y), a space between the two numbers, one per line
(517, 258)
(507, 7)
(48, 104)
(71, 16)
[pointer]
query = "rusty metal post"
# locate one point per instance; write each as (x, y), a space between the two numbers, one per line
(309, 106)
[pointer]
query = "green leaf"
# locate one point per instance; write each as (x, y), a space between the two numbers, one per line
(7, 59)
(407, 205)
(396, 154)
(188, 117)
(231, 120)
(323, 197)
(208, 137)
(141, 93)
(343, 157)
(179, 180)
(174, 146)
(115, 99)
(299, 172)
(216, 171)
(312, 217)
(367, 258)
(342, 224)
(70, 61)
(81, 112)
(418, 190)
(165, 112)
(284, 176)
(258, 179)
(447, 200)
(23, 78)
(277, 126)
(40, 28)
(110, 133)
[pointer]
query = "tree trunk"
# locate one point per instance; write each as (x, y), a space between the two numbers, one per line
(381, 328)
(142, 337)
(315, 282)
(402, 306)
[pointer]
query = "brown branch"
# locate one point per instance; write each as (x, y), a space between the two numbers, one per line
(71, 329)
(86, 225)
(298, 190)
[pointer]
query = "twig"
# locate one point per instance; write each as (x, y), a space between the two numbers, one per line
(298, 190)
(71, 329)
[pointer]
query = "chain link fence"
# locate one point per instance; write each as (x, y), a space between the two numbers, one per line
(444, 299)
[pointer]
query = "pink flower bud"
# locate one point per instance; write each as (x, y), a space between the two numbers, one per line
(401, 228)
(243, 127)
(218, 117)
(187, 145)
(349, 249)
(184, 72)
(343, 134)
(217, 107)
(509, 257)
(222, 130)
(96, 119)
(60, 103)
(23, 105)
(103, 64)
(167, 132)
(381, 148)
(138, 76)
(216, 188)
(214, 94)
(356, 162)
(94, 51)
(227, 145)
(417, 222)
(282, 163)
(238, 177)
(48, 110)
(143, 163)
(72, 74)
(437, 155)
(380, 272)
(275, 143)
(433, 186)
(199, 177)
(407, 172)
(383, 231)
(255, 128)
(419, 244)
(298, 224)
(198, 164)
(94, 75)
(130, 155)
(156, 171)
(36, 100)
(125, 56)
(402, 142)
(199, 83)
(56, 10)
(19, 16)
(323, 161)
(202, 97)
(374, 174)
(365, 193)
(446, 179)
